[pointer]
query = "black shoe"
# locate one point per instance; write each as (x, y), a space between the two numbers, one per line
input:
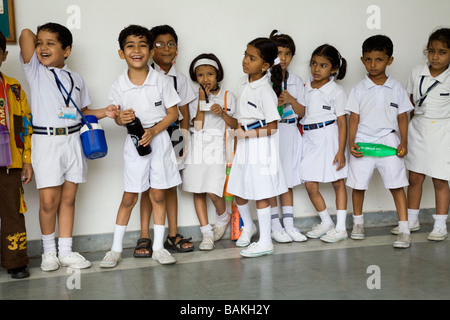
(19, 273)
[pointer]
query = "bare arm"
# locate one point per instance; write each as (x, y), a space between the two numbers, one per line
(402, 148)
(340, 156)
(352, 128)
(27, 43)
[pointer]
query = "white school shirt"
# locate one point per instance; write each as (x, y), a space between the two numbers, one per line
(323, 104)
(45, 97)
(183, 87)
(257, 101)
(213, 121)
(149, 100)
(437, 103)
(378, 107)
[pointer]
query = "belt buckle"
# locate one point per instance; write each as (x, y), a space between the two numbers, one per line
(60, 131)
(313, 126)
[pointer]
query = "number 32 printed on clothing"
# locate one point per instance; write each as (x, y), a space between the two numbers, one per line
(18, 241)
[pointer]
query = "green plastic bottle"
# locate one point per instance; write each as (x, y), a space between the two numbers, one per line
(376, 150)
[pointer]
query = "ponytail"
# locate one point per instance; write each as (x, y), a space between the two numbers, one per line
(332, 54)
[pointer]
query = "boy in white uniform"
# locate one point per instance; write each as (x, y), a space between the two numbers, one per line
(166, 51)
(148, 96)
(56, 124)
(379, 107)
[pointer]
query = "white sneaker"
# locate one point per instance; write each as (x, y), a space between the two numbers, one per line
(220, 230)
(438, 234)
(50, 262)
(334, 236)
(75, 260)
(296, 235)
(319, 230)
(281, 236)
(403, 240)
(358, 232)
(246, 236)
(256, 250)
(415, 226)
(163, 257)
(111, 259)
(207, 242)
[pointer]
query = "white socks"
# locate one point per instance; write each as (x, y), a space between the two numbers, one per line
(275, 219)
(246, 216)
(264, 222)
(119, 233)
(49, 245)
(325, 218)
(413, 216)
(222, 219)
(288, 217)
(207, 230)
(440, 221)
(341, 216)
(158, 237)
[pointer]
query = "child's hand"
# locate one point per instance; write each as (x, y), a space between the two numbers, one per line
(340, 159)
(354, 150)
(216, 109)
(402, 150)
(147, 137)
(27, 173)
(285, 98)
(239, 133)
(112, 111)
(126, 116)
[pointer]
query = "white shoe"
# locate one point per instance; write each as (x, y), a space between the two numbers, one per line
(438, 234)
(281, 236)
(246, 236)
(403, 240)
(319, 230)
(163, 257)
(256, 250)
(75, 260)
(220, 230)
(50, 262)
(334, 236)
(207, 242)
(296, 235)
(358, 232)
(415, 226)
(111, 259)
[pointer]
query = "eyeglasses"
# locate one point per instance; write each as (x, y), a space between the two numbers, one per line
(161, 45)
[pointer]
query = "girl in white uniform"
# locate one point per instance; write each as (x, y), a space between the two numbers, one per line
(289, 106)
(429, 133)
(205, 164)
(324, 139)
(256, 172)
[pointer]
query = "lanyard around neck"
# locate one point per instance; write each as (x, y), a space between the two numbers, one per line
(424, 96)
(60, 85)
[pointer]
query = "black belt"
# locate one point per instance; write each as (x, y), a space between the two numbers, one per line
(292, 120)
(254, 125)
(61, 131)
(317, 125)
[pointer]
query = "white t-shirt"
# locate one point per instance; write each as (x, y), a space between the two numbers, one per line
(378, 107)
(213, 121)
(183, 87)
(323, 104)
(45, 97)
(149, 101)
(437, 103)
(257, 101)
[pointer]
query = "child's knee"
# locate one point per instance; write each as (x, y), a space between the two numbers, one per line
(129, 199)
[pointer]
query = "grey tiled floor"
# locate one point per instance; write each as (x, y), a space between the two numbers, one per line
(297, 271)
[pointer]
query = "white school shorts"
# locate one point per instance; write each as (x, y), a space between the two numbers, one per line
(157, 170)
(392, 169)
(56, 159)
(290, 152)
(320, 147)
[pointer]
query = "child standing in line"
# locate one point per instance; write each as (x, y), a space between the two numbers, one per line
(289, 102)
(166, 51)
(256, 172)
(324, 140)
(15, 169)
(428, 133)
(379, 107)
(56, 126)
(205, 173)
(149, 96)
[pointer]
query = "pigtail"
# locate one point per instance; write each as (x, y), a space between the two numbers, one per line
(276, 77)
(342, 69)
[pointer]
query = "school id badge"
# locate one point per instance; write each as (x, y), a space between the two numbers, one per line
(67, 113)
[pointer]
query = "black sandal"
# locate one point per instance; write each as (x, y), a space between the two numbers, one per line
(172, 244)
(143, 243)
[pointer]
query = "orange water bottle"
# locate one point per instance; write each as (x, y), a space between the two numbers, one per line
(236, 223)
